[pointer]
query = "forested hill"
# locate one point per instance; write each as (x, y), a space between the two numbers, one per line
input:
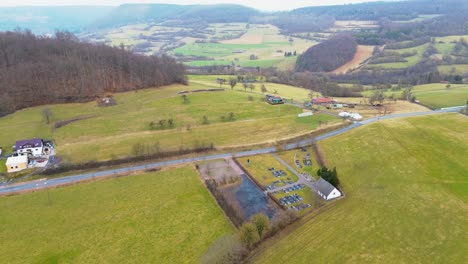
(41, 70)
(328, 55)
(143, 13)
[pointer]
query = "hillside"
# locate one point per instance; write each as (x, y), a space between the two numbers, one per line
(406, 186)
(143, 13)
(328, 55)
(41, 70)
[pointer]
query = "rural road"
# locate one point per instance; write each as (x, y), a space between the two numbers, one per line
(42, 184)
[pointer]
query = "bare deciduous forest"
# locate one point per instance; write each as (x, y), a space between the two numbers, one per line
(41, 70)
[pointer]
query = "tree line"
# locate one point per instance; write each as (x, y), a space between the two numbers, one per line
(36, 70)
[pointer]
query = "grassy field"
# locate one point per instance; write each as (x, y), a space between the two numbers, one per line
(438, 96)
(264, 41)
(164, 217)
(407, 193)
(111, 132)
(410, 61)
(259, 165)
(435, 95)
(286, 91)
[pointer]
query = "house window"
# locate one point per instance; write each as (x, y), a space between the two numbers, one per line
(16, 167)
(37, 149)
(11, 167)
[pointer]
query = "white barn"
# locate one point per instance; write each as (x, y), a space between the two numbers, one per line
(326, 190)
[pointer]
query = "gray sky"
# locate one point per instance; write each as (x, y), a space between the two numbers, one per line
(268, 5)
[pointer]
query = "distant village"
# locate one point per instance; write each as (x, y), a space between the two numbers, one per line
(29, 153)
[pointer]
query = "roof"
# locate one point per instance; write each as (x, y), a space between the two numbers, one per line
(324, 187)
(17, 160)
(321, 100)
(29, 143)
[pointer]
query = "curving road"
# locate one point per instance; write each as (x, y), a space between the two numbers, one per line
(42, 184)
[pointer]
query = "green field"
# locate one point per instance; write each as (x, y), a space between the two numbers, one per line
(286, 91)
(407, 193)
(438, 96)
(111, 132)
(259, 165)
(410, 61)
(158, 217)
(435, 95)
(264, 41)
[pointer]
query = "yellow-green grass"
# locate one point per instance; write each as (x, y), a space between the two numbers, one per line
(435, 95)
(438, 96)
(407, 192)
(410, 61)
(2, 166)
(290, 156)
(287, 91)
(264, 41)
(450, 69)
(451, 38)
(111, 132)
(259, 165)
(158, 217)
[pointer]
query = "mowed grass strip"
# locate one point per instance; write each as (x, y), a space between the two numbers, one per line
(158, 217)
(407, 192)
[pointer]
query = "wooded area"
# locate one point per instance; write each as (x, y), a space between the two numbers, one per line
(327, 55)
(41, 70)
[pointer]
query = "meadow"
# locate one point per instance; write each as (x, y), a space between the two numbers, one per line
(264, 41)
(155, 217)
(406, 199)
(104, 133)
(286, 91)
(436, 95)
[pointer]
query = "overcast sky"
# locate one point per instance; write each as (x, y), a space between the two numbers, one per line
(268, 5)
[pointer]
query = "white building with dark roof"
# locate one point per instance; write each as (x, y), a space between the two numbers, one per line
(326, 190)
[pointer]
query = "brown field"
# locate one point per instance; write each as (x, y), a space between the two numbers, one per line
(362, 54)
(392, 107)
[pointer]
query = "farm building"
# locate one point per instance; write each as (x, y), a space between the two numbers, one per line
(274, 99)
(17, 163)
(322, 100)
(33, 146)
(326, 190)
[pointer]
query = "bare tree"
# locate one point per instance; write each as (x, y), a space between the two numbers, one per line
(47, 115)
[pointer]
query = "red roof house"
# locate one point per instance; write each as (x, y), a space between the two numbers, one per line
(322, 100)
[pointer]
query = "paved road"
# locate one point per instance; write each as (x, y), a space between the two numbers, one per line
(41, 184)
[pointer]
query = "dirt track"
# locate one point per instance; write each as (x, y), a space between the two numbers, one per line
(362, 54)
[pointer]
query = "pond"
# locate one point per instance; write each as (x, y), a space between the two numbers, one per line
(251, 199)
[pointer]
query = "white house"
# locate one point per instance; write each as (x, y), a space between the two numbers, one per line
(33, 146)
(326, 190)
(17, 163)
